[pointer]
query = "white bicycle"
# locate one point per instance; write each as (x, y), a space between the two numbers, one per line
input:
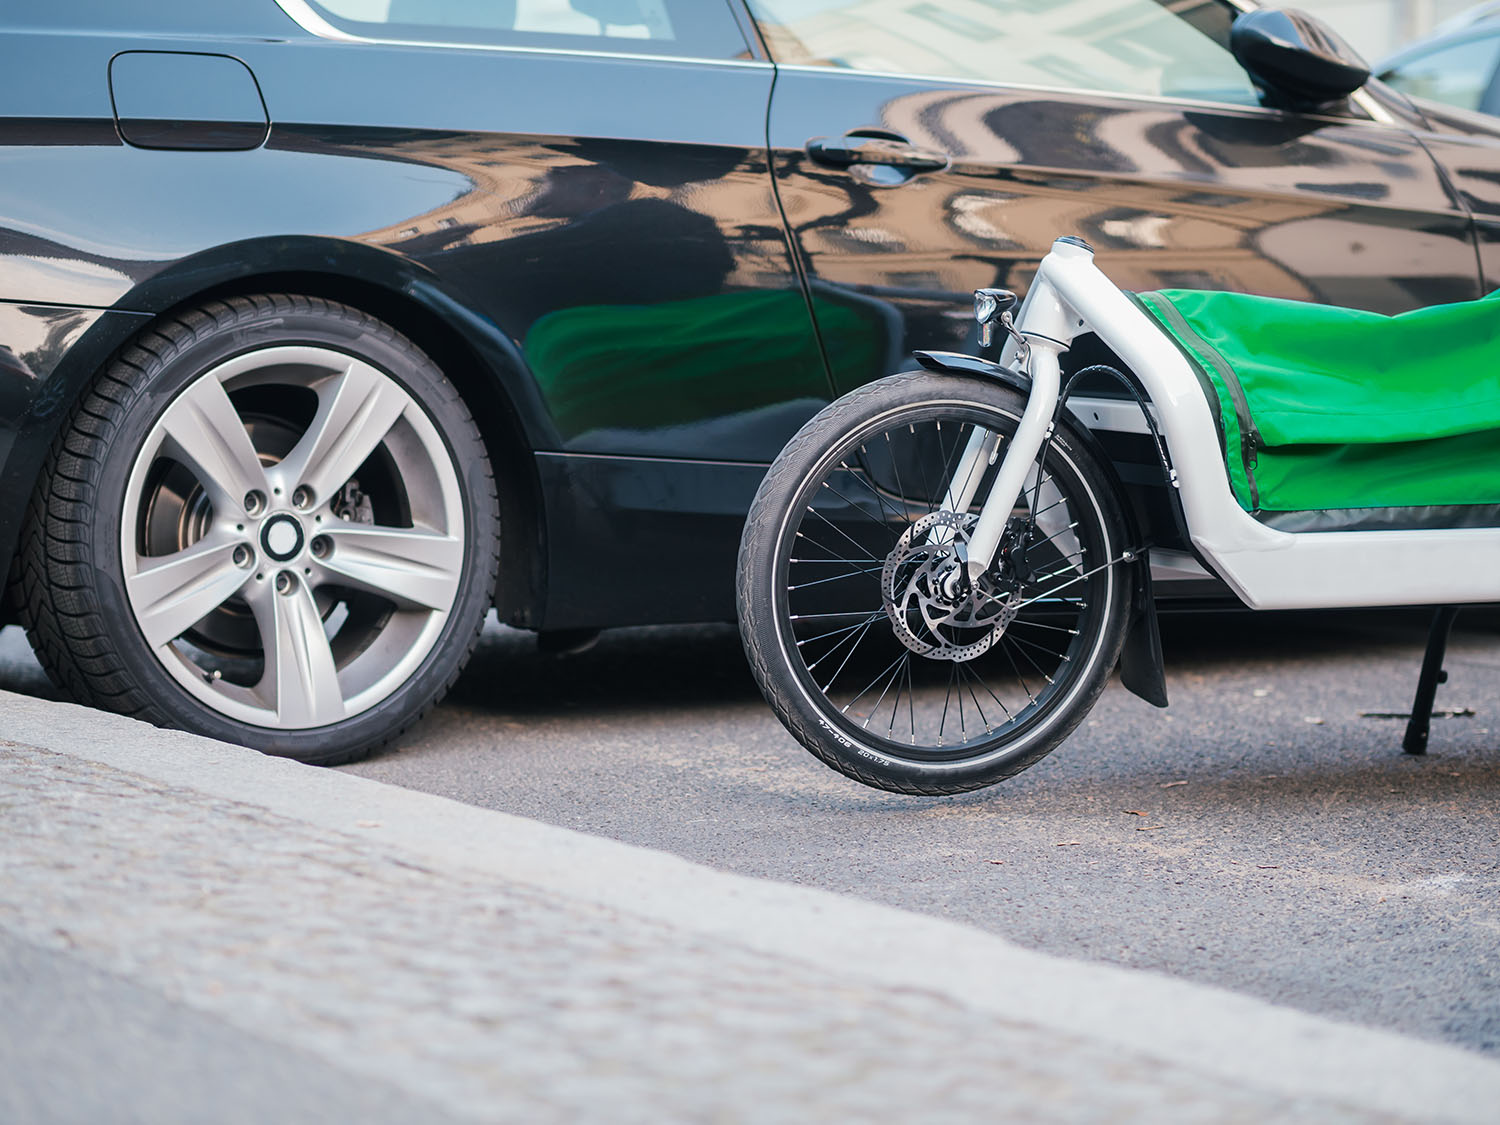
(942, 569)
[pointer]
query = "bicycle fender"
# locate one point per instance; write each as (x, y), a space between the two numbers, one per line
(957, 363)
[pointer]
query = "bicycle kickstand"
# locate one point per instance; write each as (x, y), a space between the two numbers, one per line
(1418, 726)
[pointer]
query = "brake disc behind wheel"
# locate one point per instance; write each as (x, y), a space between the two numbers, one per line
(915, 580)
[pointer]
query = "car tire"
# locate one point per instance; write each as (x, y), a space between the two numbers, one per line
(271, 520)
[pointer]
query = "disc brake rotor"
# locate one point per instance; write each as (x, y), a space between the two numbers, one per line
(927, 561)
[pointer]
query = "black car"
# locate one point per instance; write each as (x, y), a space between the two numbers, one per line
(326, 325)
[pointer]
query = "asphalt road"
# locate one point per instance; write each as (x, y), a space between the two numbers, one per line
(1261, 834)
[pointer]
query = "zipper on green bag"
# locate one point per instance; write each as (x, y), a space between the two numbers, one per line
(1250, 443)
(1191, 344)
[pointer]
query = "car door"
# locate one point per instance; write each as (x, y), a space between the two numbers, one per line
(578, 188)
(923, 150)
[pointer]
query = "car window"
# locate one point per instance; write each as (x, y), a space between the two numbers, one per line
(1171, 48)
(1457, 74)
(697, 28)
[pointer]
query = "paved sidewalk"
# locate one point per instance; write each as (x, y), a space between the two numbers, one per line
(190, 931)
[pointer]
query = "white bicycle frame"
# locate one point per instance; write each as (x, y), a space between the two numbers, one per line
(1267, 568)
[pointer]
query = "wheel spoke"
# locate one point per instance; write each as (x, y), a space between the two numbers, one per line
(835, 632)
(983, 718)
(205, 433)
(1040, 671)
(947, 698)
(894, 676)
(861, 509)
(1041, 625)
(172, 593)
(413, 567)
(904, 656)
(862, 478)
(300, 682)
(836, 578)
(858, 637)
(896, 471)
(976, 678)
(845, 534)
(1016, 668)
(356, 409)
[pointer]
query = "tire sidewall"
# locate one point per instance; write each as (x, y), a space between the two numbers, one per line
(359, 336)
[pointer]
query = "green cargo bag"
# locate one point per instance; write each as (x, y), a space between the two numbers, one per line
(1327, 409)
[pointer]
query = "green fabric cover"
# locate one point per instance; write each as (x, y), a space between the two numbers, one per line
(1330, 408)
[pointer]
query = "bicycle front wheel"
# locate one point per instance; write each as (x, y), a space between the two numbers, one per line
(862, 628)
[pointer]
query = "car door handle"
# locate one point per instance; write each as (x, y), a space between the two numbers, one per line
(856, 148)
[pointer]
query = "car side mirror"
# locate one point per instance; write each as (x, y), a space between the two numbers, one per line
(1299, 61)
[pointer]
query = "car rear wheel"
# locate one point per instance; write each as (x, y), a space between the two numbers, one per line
(271, 521)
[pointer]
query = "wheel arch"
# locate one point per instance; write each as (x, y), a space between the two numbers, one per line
(470, 349)
(486, 388)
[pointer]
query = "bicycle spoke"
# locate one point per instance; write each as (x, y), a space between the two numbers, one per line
(877, 522)
(988, 691)
(1071, 582)
(847, 629)
(1049, 507)
(1040, 625)
(835, 578)
(875, 709)
(896, 469)
(983, 718)
(815, 616)
(1017, 669)
(904, 654)
(947, 698)
(963, 723)
(969, 476)
(911, 695)
(852, 634)
(857, 638)
(842, 532)
(879, 497)
(1037, 668)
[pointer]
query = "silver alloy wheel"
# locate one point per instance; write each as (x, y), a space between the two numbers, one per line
(271, 581)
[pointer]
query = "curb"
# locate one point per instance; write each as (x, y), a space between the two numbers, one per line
(1210, 1030)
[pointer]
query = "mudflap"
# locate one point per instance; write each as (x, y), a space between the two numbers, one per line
(1142, 670)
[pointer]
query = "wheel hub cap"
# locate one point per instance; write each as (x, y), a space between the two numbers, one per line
(281, 537)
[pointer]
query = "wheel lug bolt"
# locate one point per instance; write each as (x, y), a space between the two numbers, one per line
(242, 556)
(321, 546)
(303, 497)
(284, 582)
(255, 503)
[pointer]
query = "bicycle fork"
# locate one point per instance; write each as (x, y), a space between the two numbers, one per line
(1043, 331)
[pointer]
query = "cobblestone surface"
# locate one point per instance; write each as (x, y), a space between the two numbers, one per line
(498, 1002)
